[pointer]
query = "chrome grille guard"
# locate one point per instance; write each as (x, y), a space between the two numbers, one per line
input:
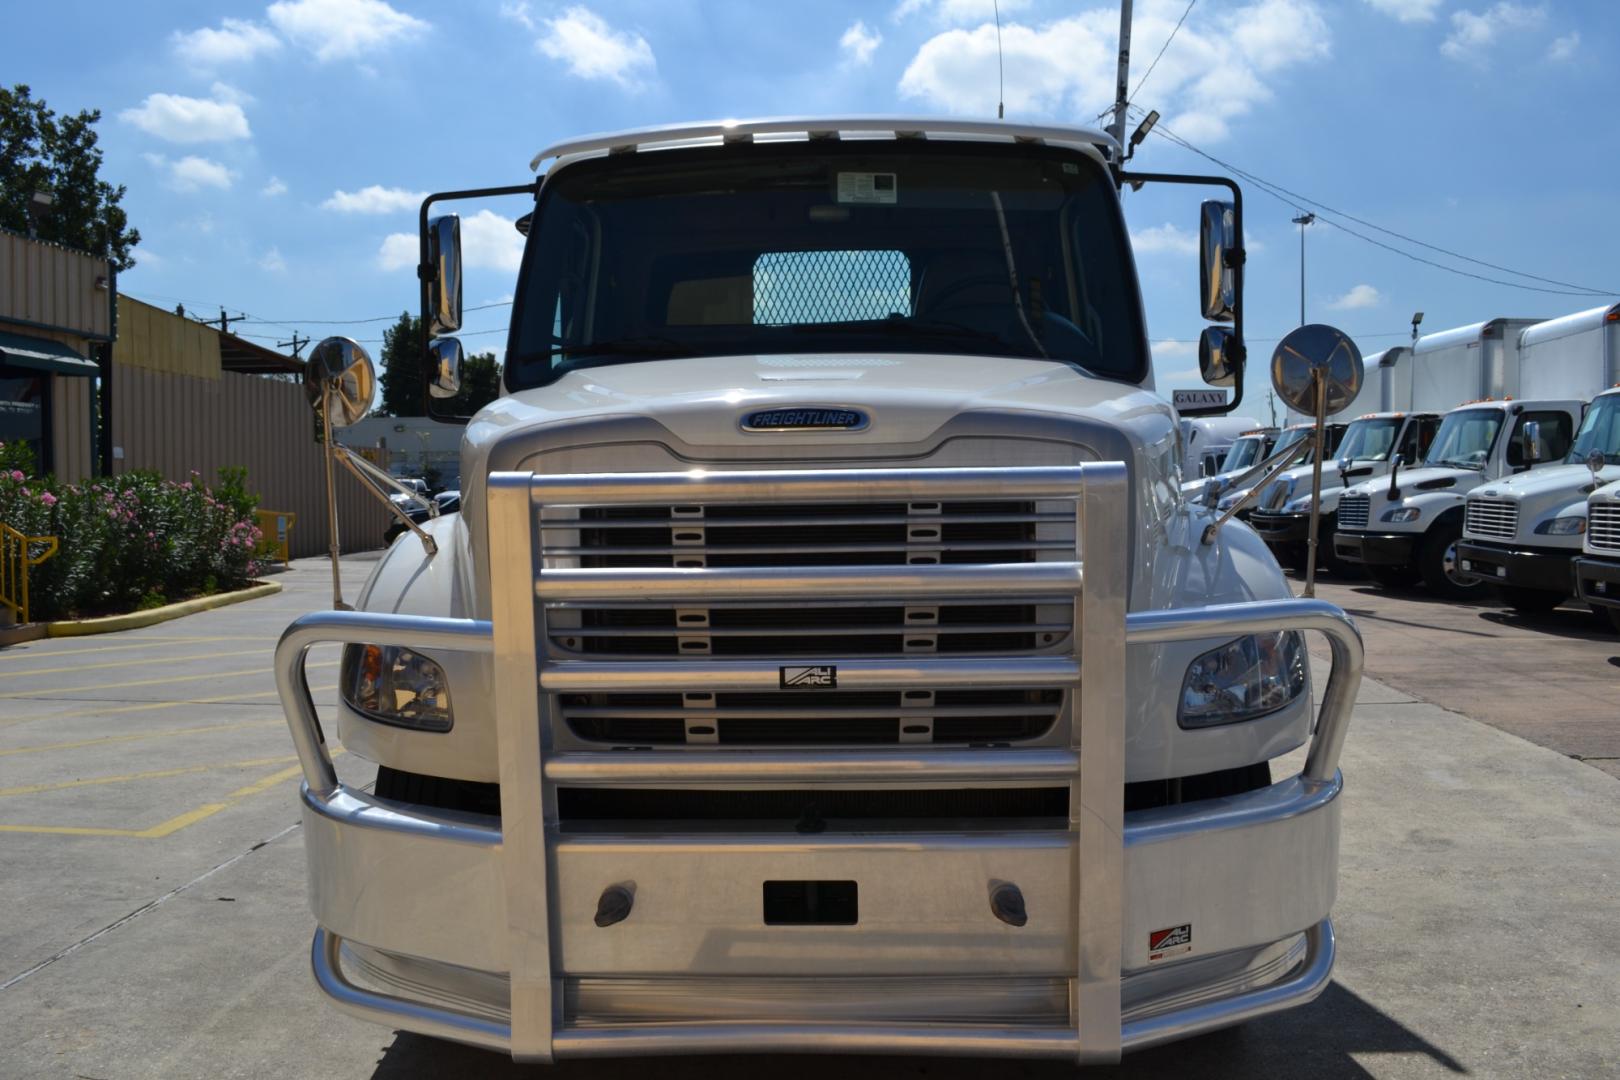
(530, 771)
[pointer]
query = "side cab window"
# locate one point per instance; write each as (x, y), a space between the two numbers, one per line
(1419, 435)
(1557, 431)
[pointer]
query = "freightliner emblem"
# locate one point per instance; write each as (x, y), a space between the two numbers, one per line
(805, 418)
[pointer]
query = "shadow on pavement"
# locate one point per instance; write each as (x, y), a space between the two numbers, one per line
(1578, 624)
(1319, 1040)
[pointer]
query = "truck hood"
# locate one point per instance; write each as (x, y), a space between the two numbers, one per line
(1410, 479)
(1551, 483)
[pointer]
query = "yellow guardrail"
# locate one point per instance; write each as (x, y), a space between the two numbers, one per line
(18, 552)
(275, 527)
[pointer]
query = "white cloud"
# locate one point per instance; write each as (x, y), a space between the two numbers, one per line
(592, 49)
(192, 173)
(187, 119)
(956, 12)
(1216, 71)
(221, 91)
(272, 262)
(374, 200)
(236, 41)
(398, 251)
(1359, 296)
(489, 241)
(342, 29)
(1407, 11)
(274, 187)
(1472, 33)
(859, 43)
(1164, 238)
(1166, 348)
(520, 13)
(1564, 47)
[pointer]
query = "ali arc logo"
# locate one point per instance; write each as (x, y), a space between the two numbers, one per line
(813, 677)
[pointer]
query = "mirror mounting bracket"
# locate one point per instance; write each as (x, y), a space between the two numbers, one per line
(1236, 257)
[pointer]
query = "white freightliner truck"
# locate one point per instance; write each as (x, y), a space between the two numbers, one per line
(1246, 451)
(1207, 440)
(1521, 533)
(1282, 512)
(1404, 527)
(823, 659)
(1597, 570)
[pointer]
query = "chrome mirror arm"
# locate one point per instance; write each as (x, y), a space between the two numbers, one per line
(373, 479)
(1282, 460)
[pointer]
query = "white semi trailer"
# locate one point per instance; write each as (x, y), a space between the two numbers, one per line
(1522, 533)
(1404, 527)
(823, 659)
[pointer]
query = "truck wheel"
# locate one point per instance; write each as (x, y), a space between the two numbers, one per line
(1437, 563)
(1529, 601)
(1393, 577)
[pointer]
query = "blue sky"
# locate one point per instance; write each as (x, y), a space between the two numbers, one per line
(275, 154)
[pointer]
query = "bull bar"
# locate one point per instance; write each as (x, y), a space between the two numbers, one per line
(514, 861)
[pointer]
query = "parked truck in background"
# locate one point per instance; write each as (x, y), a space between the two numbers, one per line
(824, 658)
(1247, 451)
(1597, 570)
(1227, 493)
(1404, 528)
(1207, 439)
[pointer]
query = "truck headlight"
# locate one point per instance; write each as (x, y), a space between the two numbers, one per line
(396, 686)
(1401, 514)
(1299, 506)
(1562, 526)
(1243, 680)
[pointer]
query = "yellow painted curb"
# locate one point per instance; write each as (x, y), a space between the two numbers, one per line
(136, 619)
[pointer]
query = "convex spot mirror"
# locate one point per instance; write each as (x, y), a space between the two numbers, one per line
(444, 274)
(444, 362)
(1317, 352)
(340, 373)
(1218, 245)
(1215, 354)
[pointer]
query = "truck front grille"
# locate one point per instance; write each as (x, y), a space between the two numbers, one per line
(1603, 526)
(1353, 511)
(807, 535)
(1491, 517)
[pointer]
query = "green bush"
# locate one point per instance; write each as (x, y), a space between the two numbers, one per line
(131, 541)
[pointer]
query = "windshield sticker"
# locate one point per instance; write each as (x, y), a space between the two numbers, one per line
(867, 187)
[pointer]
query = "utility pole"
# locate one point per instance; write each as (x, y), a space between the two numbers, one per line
(1122, 87)
(224, 320)
(1302, 221)
(295, 344)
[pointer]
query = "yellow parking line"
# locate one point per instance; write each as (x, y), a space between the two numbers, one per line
(148, 660)
(7, 659)
(148, 706)
(165, 734)
(155, 774)
(174, 824)
(165, 680)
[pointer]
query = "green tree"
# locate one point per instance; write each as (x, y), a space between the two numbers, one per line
(41, 151)
(480, 385)
(403, 375)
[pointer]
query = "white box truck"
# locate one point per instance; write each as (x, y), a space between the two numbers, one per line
(1246, 451)
(1522, 533)
(1404, 527)
(823, 658)
(1597, 570)
(1206, 441)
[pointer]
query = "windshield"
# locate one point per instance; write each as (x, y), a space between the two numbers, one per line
(1465, 439)
(853, 246)
(1245, 452)
(1600, 431)
(1369, 439)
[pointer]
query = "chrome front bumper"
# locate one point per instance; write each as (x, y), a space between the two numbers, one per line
(483, 931)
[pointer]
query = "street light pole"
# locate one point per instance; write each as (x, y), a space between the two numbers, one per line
(1302, 221)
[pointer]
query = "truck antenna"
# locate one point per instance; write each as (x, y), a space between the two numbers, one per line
(1001, 74)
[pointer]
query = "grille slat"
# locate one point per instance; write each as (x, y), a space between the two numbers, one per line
(1354, 511)
(1491, 517)
(1603, 526)
(803, 535)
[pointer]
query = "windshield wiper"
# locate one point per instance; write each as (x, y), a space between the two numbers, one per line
(626, 346)
(1474, 466)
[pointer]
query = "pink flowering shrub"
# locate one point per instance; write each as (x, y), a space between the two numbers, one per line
(132, 540)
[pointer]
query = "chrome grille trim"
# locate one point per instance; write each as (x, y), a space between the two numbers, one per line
(1497, 518)
(1603, 526)
(1354, 511)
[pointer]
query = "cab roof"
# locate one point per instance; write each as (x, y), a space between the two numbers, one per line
(805, 128)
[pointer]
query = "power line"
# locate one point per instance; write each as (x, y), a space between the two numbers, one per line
(361, 322)
(1303, 203)
(1174, 31)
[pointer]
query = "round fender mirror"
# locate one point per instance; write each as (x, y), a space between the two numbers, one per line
(340, 370)
(1313, 352)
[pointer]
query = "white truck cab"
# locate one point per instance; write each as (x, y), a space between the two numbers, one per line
(1206, 441)
(1282, 513)
(824, 658)
(1597, 570)
(1246, 451)
(1522, 533)
(1227, 494)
